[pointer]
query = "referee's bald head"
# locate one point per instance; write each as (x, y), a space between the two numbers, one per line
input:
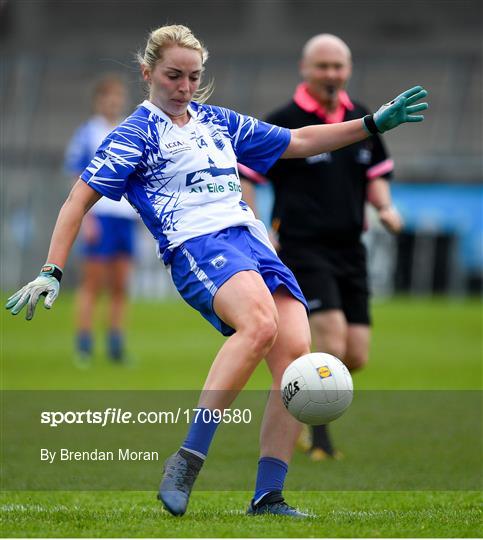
(325, 42)
(325, 67)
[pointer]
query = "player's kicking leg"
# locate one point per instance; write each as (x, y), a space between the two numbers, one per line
(245, 304)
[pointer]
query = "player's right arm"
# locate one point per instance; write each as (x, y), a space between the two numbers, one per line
(116, 158)
(81, 198)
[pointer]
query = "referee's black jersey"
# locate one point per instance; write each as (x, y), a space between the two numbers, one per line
(321, 198)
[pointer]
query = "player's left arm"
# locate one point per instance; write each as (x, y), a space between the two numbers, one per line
(379, 195)
(81, 198)
(312, 140)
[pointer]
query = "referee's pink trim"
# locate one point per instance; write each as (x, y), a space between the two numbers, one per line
(384, 167)
(252, 175)
(309, 104)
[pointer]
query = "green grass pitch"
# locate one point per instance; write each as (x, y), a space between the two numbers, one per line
(420, 344)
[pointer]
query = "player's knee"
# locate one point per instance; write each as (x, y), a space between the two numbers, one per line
(265, 334)
(262, 332)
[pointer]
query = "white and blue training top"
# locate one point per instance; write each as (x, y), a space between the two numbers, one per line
(79, 153)
(184, 181)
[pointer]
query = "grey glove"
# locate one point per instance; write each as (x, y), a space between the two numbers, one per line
(46, 284)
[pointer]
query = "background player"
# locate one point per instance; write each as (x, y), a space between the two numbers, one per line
(107, 230)
(175, 160)
(319, 212)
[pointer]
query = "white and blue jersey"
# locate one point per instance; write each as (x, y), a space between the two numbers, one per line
(183, 181)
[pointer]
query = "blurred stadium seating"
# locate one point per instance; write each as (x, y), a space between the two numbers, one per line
(53, 51)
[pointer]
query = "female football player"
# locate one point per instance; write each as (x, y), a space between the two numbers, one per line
(107, 230)
(175, 160)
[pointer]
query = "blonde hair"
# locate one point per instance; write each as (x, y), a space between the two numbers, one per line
(170, 36)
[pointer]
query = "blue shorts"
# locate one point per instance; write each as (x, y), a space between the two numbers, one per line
(116, 238)
(200, 266)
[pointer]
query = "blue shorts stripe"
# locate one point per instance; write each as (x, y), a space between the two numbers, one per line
(198, 272)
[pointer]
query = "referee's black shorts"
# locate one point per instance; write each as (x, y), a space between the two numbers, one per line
(331, 277)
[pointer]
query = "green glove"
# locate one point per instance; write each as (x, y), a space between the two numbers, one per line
(397, 111)
(46, 284)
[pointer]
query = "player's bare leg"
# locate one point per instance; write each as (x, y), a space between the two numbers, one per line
(93, 272)
(245, 303)
(119, 269)
(92, 279)
(279, 429)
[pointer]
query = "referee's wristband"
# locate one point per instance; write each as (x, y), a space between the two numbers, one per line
(53, 270)
(369, 124)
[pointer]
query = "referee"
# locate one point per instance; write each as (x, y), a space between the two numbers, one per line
(319, 212)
